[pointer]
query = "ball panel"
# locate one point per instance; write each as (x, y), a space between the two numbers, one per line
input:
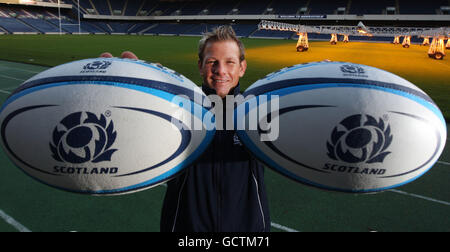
(119, 68)
(349, 137)
(334, 70)
(104, 137)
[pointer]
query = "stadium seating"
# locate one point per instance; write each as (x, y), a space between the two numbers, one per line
(165, 8)
(45, 20)
(193, 8)
(222, 7)
(252, 7)
(139, 27)
(244, 30)
(148, 6)
(120, 27)
(41, 25)
(200, 29)
(85, 6)
(272, 34)
(244, 7)
(101, 7)
(425, 7)
(101, 25)
(117, 6)
(13, 25)
(370, 7)
(169, 29)
(326, 6)
(287, 6)
(132, 8)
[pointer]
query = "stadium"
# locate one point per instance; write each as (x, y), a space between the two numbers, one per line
(408, 38)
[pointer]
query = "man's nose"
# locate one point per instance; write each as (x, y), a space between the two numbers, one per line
(218, 68)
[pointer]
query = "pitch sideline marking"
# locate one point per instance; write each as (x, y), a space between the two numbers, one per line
(18, 69)
(442, 162)
(10, 220)
(281, 227)
(12, 78)
(420, 197)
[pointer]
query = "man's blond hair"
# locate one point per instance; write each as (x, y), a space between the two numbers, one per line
(221, 33)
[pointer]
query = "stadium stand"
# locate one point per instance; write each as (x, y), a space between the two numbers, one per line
(326, 6)
(13, 25)
(272, 34)
(252, 7)
(120, 27)
(287, 6)
(425, 7)
(370, 7)
(165, 8)
(41, 25)
(194, 8)
(116, 7)
(132, 8)
(169, 29)
(85, 7)
(244, 30)
(141, 16)
(200, 28)
(101, 7)
(222, 7)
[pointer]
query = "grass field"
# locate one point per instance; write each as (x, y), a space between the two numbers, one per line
(422, 205)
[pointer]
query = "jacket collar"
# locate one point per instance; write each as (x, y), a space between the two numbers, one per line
(234, 91)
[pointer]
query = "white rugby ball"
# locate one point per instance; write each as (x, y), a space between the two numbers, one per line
(342, 126)
(105, 125)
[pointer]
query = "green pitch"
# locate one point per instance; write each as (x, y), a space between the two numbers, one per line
(422, 205)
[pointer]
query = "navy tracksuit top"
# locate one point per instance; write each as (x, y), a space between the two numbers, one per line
(223, 191)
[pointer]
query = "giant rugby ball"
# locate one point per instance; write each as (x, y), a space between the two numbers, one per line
(342, 126)
(105, 126)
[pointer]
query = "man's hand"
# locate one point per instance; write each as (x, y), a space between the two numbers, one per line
(125, 55)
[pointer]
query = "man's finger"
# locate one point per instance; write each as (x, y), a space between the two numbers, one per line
(128, 55)
(106, 55)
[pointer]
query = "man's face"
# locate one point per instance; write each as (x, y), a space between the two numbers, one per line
(221, 68)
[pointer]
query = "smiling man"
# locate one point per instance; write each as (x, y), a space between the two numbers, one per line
(224, 189)
(221, 62)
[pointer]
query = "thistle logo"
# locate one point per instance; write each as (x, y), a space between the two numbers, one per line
(360, 138)
(96, 67)
(82, 137)
(353, 71)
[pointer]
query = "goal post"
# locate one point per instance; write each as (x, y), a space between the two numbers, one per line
(61, 24)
